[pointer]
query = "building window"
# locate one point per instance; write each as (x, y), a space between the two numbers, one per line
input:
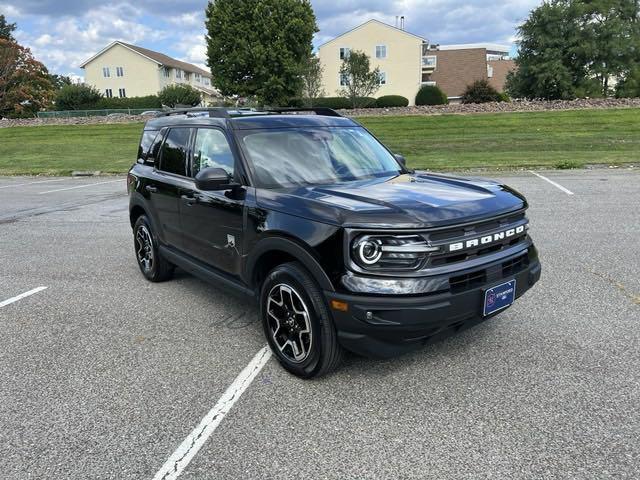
(344, 80)
(122, 93)
(381, 51)
(178, 73)
(198, 78)
(186, 76)
(430, 61)
(108, 93)
(166, 72)
(489, 71)
(206, 81)
(382, 78)
(105, 72)
(344, 53)
(119, 72)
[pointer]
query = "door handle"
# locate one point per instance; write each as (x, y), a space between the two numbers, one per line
(151, 189)
(190, 201)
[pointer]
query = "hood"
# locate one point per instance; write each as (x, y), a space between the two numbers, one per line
(418, 200)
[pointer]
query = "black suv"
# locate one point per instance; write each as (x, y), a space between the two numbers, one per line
(342, 245)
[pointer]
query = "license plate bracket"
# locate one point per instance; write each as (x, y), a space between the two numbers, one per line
(499, 297)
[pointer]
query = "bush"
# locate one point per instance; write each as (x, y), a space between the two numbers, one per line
(365, 102)
(174, 95)
(504, 97)
(392, 101)
(333, 102)
(480, 91)
(150, 102)
(431, 95)
(77, 97)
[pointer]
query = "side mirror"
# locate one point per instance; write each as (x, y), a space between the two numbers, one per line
(401, 160)
(210, 179)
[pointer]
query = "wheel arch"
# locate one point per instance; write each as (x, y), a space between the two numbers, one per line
(271, 252)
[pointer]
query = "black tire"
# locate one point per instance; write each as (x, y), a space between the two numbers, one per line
(319, 352)
(152, 265)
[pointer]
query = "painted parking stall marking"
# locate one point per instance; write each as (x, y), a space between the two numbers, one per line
(33, 183)
(21, 296)
(81, 186)
(178, 461)
(557, 185)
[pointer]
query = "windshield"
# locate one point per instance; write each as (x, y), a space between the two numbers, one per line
(315, 156)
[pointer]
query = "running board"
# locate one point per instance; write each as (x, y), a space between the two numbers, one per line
(204, 272)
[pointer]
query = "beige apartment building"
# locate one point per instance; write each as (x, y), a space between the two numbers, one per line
(408, 61)
(124, 70)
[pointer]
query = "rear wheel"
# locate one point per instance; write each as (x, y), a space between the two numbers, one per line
(297, 324)
(152, 265)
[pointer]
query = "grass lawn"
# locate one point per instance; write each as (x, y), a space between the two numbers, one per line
(442, 142)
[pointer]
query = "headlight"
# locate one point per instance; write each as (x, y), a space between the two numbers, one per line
(390, 252)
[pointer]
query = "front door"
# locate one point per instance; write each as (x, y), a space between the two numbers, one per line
(212, 221)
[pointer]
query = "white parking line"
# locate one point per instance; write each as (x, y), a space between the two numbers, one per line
(33, 183)
(81, 186)
(557, 185)
(21, 296)
(197, 438)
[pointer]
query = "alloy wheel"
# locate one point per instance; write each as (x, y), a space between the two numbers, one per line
(144, 248)
(289, 322)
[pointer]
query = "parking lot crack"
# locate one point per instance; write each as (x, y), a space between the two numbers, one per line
(635, 298)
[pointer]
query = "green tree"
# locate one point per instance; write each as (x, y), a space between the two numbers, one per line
(7, 29)
(573, 48)
(176, 95)
(550, 61)
(629, 86)
(77, 97)
(359, 81)
(312, 80)
(258, 47)
(25, 87)
(59, 81)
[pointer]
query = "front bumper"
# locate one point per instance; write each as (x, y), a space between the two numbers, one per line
(385, 326)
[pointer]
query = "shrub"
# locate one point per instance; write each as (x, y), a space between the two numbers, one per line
(333, 102)
(365, 102)
(431, 95)
(480, 91)
(150, 102)
(504, 97)
(174, 95)
(392, 101)
(77, 97)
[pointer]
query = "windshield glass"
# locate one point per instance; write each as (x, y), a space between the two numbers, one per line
(315, 156)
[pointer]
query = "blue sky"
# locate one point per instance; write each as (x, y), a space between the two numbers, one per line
(63, 33)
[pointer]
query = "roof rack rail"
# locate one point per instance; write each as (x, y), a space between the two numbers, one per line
(225, 112)
(324, 111)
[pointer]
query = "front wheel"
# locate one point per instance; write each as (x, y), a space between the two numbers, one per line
(152, 265)
(297, 324)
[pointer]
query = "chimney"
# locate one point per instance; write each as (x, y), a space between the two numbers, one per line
(402, 22)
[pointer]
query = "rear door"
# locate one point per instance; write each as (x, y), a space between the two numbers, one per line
(212, 221)
(165, 185)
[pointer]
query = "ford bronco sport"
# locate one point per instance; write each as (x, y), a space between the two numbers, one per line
(341, 244)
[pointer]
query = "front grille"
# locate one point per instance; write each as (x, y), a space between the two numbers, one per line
(515, 265)
(459, 234)
(468, 281)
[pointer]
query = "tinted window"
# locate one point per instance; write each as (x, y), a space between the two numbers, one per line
(145, 143)
(313, 156)
(212, 151)
(174, 151)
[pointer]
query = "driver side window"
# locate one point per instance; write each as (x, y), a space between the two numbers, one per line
(212, 151)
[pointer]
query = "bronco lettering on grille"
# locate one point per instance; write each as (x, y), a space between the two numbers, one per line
(487, 239)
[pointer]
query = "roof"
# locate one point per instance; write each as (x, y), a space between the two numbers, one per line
(378, 22)
(494, 47)
(154, 56)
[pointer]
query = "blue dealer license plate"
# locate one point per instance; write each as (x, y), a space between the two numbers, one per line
(499, 297)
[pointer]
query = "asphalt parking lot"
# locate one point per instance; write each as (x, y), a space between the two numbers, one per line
(104, 375)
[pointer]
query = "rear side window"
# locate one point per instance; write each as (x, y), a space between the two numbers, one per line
(148, 136)
(212, 151)
(174, 151)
